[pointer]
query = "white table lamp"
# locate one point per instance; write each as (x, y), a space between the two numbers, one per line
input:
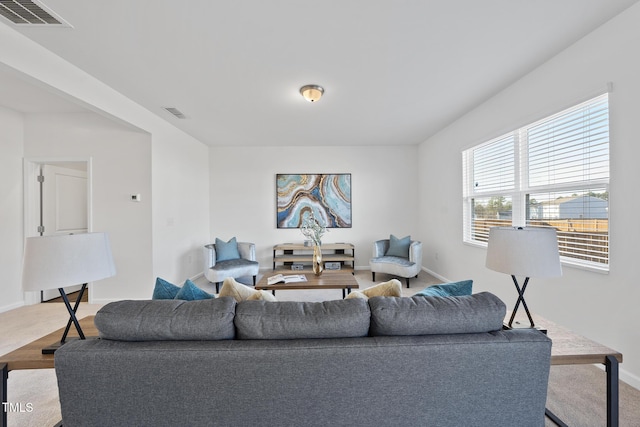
(523, 251)
(52, 262)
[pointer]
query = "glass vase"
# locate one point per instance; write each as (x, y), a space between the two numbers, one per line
(317, 260)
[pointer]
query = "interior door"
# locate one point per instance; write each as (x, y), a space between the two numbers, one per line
(64, 206)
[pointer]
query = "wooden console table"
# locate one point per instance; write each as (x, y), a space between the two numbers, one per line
(290, 253)
(30, 356)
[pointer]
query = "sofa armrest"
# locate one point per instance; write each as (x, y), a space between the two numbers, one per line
(380, 247)
(209, 256)
(415, 252)
(247, 250)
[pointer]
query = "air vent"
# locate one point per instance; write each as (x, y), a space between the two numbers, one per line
(175, 112)
(28, 13)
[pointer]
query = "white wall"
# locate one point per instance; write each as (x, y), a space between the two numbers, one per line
(243, 199)
(600, 306)
(121, 166)
(180, 206)
(179, 169)
(11, 217)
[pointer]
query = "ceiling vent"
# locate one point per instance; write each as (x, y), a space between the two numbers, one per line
(30, 13)
(175, 112)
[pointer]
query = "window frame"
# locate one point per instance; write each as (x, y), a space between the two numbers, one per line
(521, 191)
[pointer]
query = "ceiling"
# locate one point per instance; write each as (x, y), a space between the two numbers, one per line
(25, 96)
(394, 71)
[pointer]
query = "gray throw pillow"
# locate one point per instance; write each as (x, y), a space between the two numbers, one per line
(263, 320)
(398, 247)
(420, 315)
(167, 320)
(227, 250)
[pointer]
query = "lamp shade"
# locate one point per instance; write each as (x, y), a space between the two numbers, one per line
(524, 251)
(52, 262)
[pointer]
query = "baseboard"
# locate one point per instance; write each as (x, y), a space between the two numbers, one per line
(436, 275)
(11, 306)
(625, 376)
(629, 378)
(196, 277)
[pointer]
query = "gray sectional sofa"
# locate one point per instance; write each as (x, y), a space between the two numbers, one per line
(419, 361)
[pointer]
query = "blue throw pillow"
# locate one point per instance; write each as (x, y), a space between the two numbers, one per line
(227, 250)
(399, 247)
(454, 289)
(190, 292)
(164, 290)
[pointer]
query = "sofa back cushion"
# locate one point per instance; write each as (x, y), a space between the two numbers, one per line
(264, 320)
(167, 320)
(420, 315)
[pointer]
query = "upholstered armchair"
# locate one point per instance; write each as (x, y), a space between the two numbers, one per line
(240, 265)
(396, 263)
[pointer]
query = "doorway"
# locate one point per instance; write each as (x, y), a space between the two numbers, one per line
(57, 201)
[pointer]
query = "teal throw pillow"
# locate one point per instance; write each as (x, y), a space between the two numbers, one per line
(190, 292)
(164, 290)
(227, 250)
(399, 247)
(454, 289)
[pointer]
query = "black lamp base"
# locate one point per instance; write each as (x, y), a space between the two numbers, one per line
(56, 345)
(519, 325)
(73, 320)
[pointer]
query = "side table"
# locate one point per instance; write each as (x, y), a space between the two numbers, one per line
(30, 356)
(569, 348)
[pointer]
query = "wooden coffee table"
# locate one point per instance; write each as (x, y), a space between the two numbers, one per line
(332, 279)
(30, 356)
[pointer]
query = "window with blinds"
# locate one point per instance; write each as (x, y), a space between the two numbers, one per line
(552, 173)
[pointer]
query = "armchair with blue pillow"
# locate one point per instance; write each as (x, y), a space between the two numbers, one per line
(397, 257)
(230, 259)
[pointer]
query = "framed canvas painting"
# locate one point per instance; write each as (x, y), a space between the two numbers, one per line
(325, 196)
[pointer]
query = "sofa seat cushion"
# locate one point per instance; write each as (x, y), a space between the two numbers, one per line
(167, 320)
(266, 320)
(419, 315)
(404, 262)
(239, 264)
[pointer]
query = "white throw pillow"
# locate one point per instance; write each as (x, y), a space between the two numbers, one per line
(240, 292)
(392, 288)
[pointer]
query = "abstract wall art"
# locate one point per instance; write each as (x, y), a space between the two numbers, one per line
(325, 196)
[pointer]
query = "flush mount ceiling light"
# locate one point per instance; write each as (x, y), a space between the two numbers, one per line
(311, 93)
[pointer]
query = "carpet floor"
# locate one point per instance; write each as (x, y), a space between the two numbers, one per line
(576, 393)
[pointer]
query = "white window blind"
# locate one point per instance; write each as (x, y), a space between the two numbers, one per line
(554, 172)
(493, 166)
(571, 147)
